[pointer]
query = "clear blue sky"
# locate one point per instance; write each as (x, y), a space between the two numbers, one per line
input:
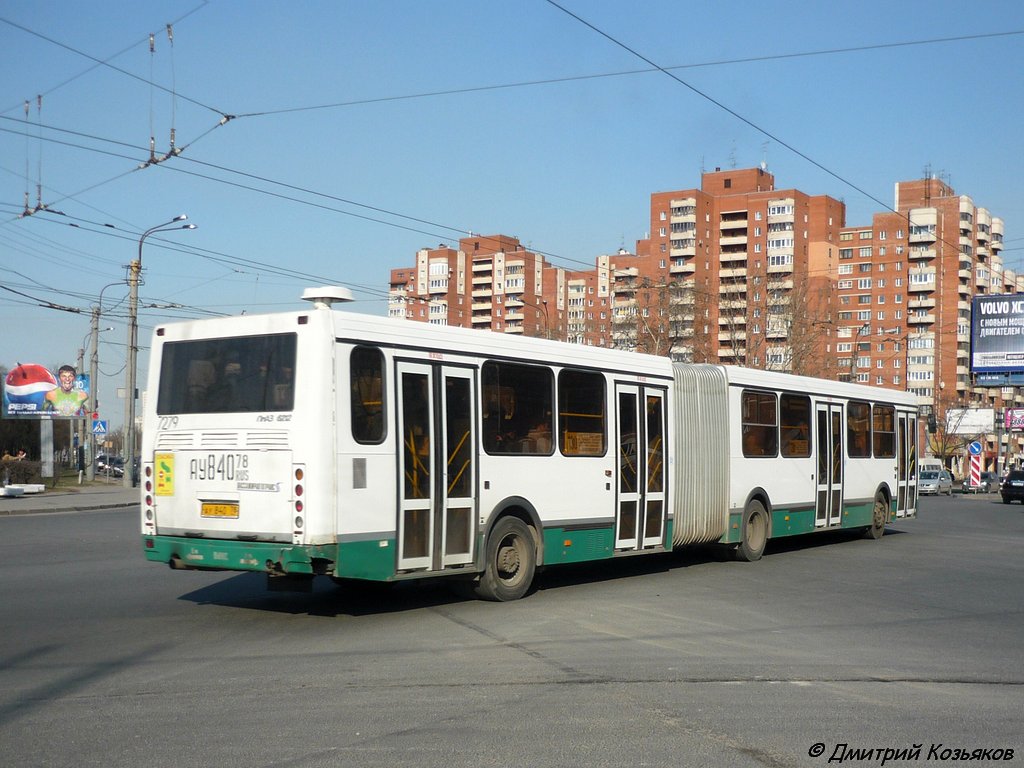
(368, 129)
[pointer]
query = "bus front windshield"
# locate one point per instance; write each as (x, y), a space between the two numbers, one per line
(242, 374)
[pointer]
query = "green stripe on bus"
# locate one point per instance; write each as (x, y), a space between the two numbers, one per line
(235, 555)
(579, 545)
(373, 560)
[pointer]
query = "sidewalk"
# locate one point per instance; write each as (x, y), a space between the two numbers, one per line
(71, 498)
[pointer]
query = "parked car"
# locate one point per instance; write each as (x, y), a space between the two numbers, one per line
(933, 481)
(111, 466)
(1012, 487)
(988, 482)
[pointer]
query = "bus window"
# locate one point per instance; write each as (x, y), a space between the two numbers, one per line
(366, 377)
(884, 431)
(795, 424)
(239, 374)
(517, 403)
(760, 424)
(858, 430)
(581, 421)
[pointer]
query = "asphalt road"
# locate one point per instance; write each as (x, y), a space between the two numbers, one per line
(682, 660)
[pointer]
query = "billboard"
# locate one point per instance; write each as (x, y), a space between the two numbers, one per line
(970, 421)
(1014, 420)
(34, 391)
(997, 333)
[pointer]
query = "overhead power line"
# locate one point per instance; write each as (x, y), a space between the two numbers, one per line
(106, 63)
(626, 73)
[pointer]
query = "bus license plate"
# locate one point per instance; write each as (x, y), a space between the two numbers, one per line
(210, 509)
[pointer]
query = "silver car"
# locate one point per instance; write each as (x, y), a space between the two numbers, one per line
(935, 481)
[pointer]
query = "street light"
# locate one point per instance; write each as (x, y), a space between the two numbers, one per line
(134, 272)
(94, 374)
(94, 381)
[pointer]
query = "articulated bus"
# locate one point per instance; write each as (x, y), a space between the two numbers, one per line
(323, 442)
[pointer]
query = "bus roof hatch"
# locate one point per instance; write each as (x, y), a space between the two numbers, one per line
(326, 295)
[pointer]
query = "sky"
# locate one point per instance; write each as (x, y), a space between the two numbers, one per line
(326, 142)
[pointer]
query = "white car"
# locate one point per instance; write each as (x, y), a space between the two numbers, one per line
(933, 481)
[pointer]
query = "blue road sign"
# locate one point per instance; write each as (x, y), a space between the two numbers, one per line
(99, 427)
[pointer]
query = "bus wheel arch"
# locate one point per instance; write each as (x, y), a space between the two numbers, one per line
(755, 527)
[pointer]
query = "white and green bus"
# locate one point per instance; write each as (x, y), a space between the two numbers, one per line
(322, 442)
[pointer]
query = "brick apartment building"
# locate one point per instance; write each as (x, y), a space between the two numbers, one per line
(747, 267)
(491, 282)
(740, 272)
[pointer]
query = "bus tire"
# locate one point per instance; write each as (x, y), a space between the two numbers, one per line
(879, 517)
(511, 561)
(753, 533)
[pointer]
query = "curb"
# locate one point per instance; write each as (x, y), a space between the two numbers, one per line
(69, 508)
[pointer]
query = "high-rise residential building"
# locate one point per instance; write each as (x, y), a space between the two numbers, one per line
(734, 272)
(740, 272)
(491, 282)
(904, 290)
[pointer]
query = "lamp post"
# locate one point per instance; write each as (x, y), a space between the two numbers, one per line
(134, 272)
(865, 328)
(94, 383)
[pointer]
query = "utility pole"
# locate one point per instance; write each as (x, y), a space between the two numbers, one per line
(134, 273)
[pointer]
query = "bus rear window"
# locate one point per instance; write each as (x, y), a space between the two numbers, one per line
(241, 374)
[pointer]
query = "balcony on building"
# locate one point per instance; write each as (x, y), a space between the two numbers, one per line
(729, 221)
(483, 266)
(732, 320)
(922, 235)
(921, 319)
(482, 317)
(926, 284)
(921, 252)
(683, 210)
(681, 267)
(787, 212)
(736, 273)
(732, 288)
(922, 302)
(732, 335)
(727, 240)
(733, 255)
(685, 246)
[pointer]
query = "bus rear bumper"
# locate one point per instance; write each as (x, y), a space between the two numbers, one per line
(221, 555)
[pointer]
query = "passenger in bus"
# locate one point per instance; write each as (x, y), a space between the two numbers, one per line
(538, 439)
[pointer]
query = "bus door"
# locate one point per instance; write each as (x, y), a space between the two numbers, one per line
(436, 465)
(906, 466)
(828, 507)
(640, 512)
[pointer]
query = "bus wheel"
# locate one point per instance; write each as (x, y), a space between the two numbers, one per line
(754, 533)
(511, 561)
(879, 518)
